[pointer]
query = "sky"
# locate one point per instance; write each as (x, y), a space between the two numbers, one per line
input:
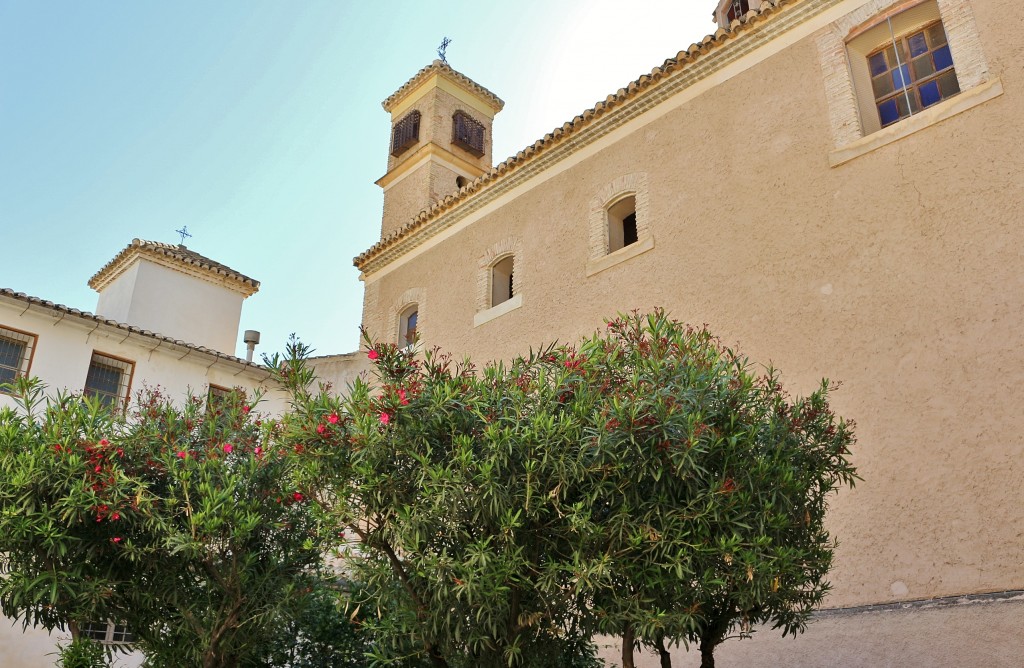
(257, 124)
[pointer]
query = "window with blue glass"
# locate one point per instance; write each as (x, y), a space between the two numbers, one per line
(912, 73)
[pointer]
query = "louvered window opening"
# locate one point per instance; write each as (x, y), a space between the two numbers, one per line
(738, 9)
(467, 134)
(108, 380)
(406, 133)
(15, 353)
(912, 73)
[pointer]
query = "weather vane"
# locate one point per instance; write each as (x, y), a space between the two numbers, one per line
(184, 233)
(441, 49)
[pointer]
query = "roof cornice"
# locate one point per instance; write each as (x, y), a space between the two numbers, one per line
(178, 258)
(445, 70)
(698, 62)
(8, 295)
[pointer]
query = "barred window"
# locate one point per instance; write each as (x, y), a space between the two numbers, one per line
(467, 133)
(15, 354)
(109, 379)
(108, 633)
(406, 133)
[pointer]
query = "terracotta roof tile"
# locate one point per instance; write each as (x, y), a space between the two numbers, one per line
(90, 317)
(669, 68)
(440, 67)
(176, 252)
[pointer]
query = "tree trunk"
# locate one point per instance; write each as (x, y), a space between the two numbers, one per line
(666, 658)
(707, 654)
(627, 647)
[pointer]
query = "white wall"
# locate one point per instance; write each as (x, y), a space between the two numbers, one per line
(175, 304)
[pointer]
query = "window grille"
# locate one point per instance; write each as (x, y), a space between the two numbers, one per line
(467, 133)
(108, 633)
(15, 354)
(108, 380)
(406, 133)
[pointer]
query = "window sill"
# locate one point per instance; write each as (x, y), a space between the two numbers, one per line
(498, 311)
(621, 255)
(940, 112)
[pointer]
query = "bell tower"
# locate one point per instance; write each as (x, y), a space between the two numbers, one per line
(440, 141)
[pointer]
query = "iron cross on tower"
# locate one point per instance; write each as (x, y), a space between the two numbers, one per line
(443, 48)
(184, 233)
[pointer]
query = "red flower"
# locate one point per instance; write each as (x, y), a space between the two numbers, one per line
(385, 418)
(115, 539)
(401, 397)
(297, 496)
(728, 486)
(372, 354)
(333, 418)
(104, 442)
(227, 448)
(115, 516)
(258, 451)
(182, 454)
(321, 428)
(246, 409)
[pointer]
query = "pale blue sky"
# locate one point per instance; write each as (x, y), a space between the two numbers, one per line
(258, 125)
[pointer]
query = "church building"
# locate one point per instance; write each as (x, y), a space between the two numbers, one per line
(832, 185)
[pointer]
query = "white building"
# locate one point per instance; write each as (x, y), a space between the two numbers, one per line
(166, 316)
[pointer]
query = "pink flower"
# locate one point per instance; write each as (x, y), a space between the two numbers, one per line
(246, 409)
(182, 454)
(372, 354)
(333, 418)
(115, 539)
(258, 451)
(321, 428)
(228, 448)
(401, 397)
(115, 516)
(385, 418)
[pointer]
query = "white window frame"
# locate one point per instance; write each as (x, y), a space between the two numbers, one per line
(113, 634)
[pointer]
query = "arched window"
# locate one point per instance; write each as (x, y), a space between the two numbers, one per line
(407, 326)
(621, 217)
(501, 280)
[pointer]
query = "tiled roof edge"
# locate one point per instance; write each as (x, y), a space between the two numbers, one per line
(540, 148)
(179, 253)
(441, 67)
(86, 316)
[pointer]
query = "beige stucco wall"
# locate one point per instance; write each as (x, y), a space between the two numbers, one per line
(898, 273)
(340, 371)
(175, 304)
(975, 633)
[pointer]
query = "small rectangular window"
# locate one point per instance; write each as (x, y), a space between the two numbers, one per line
(107, 633)
(406, 133)
(467, 133)
(109, 380)
(15, 354)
